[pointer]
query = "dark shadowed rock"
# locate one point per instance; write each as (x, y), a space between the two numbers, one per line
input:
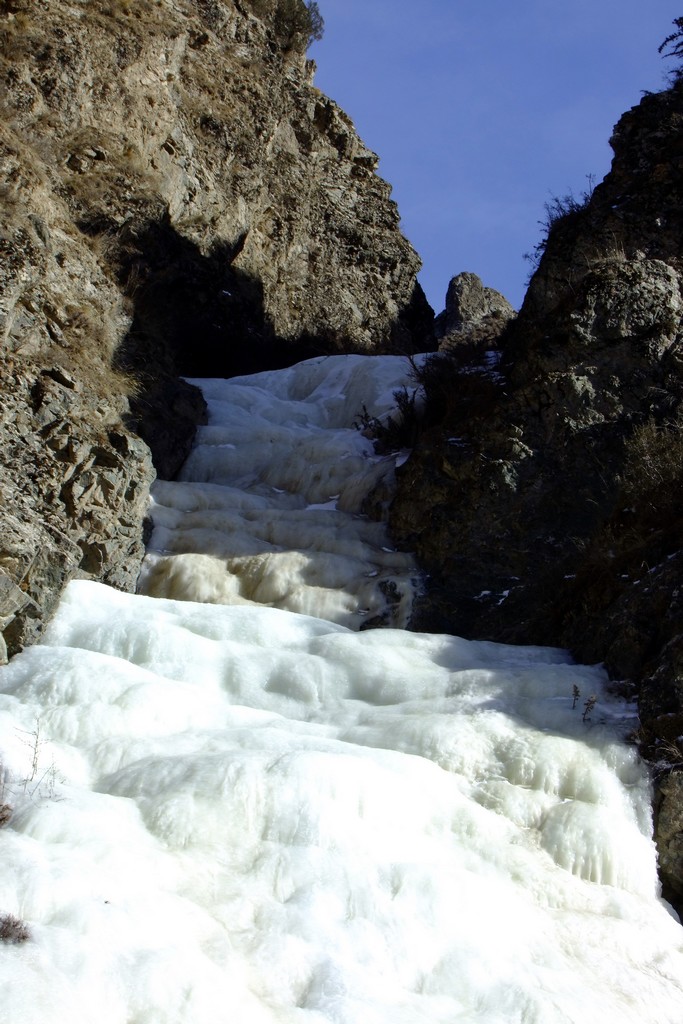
(543, 496)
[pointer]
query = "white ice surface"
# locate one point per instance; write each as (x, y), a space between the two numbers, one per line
(241, 814)
(269, 506)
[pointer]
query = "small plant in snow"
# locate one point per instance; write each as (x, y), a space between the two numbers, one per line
(35, 743)
(588, 706)
(576, 693)
(12, 930)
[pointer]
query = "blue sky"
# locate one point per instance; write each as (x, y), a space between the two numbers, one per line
(482, 110)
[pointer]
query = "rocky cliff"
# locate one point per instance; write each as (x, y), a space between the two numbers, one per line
(543, 495)
(176, 197)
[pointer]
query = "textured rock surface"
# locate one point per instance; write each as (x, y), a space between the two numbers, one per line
(73, 494)
(669, 829)
(175, 197)
(542, 496)
(230, 198)
(473, 312)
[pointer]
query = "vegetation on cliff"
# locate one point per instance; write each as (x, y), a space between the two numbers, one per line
(672, 47)
(298, 23)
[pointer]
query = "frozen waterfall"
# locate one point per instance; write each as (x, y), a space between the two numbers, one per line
(268, 509)
(233, 804)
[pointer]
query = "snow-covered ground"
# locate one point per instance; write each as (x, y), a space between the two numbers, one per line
(234, 812)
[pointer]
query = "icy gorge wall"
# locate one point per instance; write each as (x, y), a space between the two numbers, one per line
(176, 197)
(544, 492)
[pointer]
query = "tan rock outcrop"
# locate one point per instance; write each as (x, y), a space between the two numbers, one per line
(175, 197)
(199, 120)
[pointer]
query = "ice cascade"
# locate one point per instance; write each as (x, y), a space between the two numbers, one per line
(232, 803)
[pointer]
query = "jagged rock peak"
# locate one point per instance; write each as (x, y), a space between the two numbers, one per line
(473, 312)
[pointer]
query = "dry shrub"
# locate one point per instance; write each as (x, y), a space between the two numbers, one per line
(398, 431)
(459, 388)
(453, 390)
(298, 23)
(654, 466)
(13, 931)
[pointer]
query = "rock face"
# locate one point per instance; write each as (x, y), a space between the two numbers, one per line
(231, 199)
(73, 491)
(473, 312)
(175, 197)
(542, 496)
